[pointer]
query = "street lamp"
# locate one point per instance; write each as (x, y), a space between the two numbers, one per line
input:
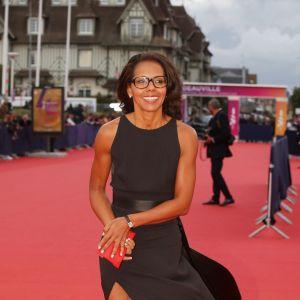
(68, 49)
(5, 47)
(12, 56)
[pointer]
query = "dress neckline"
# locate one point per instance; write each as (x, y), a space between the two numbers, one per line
(144, 129)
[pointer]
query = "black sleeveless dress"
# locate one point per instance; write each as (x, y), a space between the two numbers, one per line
(144, 164)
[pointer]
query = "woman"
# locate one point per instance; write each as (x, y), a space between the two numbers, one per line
(152, 158)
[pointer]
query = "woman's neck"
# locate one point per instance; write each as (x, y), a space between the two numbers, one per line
(149, 120)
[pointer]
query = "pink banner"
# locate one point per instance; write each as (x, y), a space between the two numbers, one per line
(234, 115)
(241, 90)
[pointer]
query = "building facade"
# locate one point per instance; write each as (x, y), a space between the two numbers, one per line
(104, 35)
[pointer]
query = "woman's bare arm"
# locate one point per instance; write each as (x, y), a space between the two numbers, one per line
(100, 172)
(184, 185)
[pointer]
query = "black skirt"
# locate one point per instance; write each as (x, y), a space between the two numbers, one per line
(160, 268)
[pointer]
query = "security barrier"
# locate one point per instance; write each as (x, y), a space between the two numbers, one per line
(73, 136)
(279, 185)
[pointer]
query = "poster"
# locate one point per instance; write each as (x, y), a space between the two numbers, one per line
(47, 110)
(234, 114)
(281, 117)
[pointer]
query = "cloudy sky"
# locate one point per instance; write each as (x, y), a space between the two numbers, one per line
(263, 35)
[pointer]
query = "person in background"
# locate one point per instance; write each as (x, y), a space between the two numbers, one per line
(69, 120)
(297, 125)
(217, 137)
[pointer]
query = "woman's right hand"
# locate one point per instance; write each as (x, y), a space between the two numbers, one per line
(129, 244)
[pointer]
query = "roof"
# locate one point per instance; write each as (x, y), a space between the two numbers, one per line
(191, 32)
(107, 29)
(85, 73)
(24, 73)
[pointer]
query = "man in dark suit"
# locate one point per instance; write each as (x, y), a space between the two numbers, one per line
(218, 134)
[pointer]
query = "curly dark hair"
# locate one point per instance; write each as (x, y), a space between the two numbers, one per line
(172, 103)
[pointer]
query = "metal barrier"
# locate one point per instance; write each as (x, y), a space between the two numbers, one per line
(279, 185)
(26, 141)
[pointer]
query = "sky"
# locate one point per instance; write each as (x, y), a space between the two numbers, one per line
(262, 35)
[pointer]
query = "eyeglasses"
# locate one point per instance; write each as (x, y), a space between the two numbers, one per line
(142, 82)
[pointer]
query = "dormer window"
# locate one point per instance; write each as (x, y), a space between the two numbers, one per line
(86, 26)
(63, 2)
(33, 26)
(112, 2)
(136, 27)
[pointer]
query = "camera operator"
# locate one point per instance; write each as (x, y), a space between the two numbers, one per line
(217, 143)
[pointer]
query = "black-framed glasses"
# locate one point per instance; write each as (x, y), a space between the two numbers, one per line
(142, 82)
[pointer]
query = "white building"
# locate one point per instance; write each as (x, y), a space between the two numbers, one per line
(104, 35)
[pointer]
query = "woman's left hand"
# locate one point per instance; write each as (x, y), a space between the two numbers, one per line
(114, 232)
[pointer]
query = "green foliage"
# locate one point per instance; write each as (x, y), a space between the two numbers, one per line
(295, 98)
(21, 111)
(105, 99)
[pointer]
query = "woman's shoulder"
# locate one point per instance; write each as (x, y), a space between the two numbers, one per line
(187, 135)
(107, 132)
(185, 129)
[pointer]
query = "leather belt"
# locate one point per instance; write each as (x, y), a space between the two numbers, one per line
(135, 204)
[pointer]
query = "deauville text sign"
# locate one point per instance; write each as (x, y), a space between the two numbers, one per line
(241, 90)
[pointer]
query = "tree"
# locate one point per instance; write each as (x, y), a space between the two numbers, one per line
(295, 98)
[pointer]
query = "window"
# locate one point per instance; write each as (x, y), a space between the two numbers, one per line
(32, 58)
(84, 58)
(32, 25)
(165, 31)
(84, 91)
(16, 2)
(63, 2)
(112, 2)
(86, 26)
(136, 27)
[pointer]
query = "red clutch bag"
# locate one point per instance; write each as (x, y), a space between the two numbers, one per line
(117, 259)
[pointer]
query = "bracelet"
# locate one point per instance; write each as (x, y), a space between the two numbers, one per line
(129, 222)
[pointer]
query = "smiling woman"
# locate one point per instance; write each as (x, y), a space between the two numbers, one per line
(171, 85)
(152, 158)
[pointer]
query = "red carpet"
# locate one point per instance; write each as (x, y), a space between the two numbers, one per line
(49, 233)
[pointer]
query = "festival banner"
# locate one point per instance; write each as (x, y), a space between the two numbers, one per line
(240, 90)
(234, 114)
(281, 117)
(47, 110)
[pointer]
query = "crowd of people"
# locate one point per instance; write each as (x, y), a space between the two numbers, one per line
(257, 119)
(78, 114)
(14, 122)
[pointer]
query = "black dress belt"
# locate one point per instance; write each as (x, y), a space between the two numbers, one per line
(135, 204)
